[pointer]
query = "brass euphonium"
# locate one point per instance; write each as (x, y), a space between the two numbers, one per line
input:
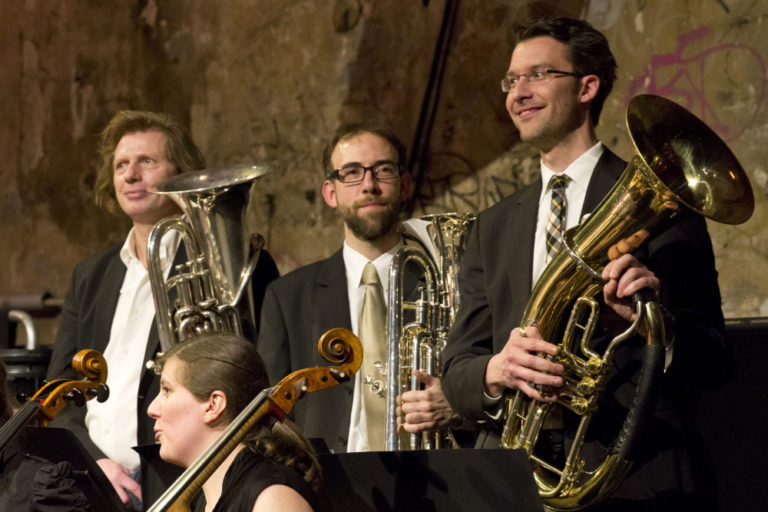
(418, 343)
(208, 292)
(679, 163)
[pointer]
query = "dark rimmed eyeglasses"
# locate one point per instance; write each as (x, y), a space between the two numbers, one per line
(382, 171)
(509, 82)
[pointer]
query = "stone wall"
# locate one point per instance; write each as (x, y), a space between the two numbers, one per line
(267, 81)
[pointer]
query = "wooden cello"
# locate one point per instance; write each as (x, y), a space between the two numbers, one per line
(338, 346)
(49, 400)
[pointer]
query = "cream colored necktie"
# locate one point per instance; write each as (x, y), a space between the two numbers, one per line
(373, 336)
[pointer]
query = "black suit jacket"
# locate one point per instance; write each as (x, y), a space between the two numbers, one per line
(298, 309)
(496, 284)
(86, 322)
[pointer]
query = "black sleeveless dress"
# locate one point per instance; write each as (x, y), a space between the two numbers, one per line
(251, 473)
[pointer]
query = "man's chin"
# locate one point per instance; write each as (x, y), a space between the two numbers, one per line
(370, 225)
(528, 135)
(369, 230)
(369, 234)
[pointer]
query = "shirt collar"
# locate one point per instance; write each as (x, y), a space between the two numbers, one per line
(579, 171)
(168, 247)
(356, 262)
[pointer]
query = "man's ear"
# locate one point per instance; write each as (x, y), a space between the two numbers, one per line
(215, 407)
(329, 193)
(590, 84)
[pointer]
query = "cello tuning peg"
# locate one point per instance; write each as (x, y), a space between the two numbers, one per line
(101, 392)
(76, 396)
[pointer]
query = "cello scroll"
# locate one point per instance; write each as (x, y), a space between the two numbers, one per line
(49, 400)
(336, 346)
(54, 396)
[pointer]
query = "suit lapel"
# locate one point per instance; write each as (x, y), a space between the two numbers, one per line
(105, 302)
(607, 171)
(331, 288)
(333, 311)
(521, 236)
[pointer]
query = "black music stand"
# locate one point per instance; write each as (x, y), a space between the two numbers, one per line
(436, 480)
(58, 445)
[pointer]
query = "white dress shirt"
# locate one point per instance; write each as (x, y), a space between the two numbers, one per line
(113, 424)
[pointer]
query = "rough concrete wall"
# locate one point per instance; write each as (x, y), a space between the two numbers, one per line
(257, 81)
(268, 80)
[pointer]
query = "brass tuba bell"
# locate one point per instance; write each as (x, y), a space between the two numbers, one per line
(208, 292)
(680, 163)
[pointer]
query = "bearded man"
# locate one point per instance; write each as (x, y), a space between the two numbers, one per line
(365, 181)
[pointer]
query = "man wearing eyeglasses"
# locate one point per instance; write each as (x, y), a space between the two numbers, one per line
(560, 73)
(366, 183)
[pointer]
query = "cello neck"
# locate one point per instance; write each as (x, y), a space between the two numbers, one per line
(17, 422)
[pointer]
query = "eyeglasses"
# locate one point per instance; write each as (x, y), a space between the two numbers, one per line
(382, 171)
(509, 82)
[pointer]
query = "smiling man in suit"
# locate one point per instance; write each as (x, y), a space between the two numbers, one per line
(560, 73)
(366, 182)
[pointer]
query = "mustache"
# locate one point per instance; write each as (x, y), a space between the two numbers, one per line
(369, 200)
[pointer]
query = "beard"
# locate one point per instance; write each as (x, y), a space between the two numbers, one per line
(373, 226)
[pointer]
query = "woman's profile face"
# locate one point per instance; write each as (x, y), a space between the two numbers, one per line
(179, 418)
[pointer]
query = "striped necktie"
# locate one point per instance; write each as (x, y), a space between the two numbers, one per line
(555, 226)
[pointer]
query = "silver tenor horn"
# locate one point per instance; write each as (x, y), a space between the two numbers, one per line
(207, 293)
(418, 328)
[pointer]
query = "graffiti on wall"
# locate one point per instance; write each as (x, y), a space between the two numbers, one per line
(719, 83)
